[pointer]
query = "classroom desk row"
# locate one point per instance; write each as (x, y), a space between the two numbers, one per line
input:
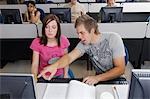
(16, 38)
(57, 93)
(89, 7)
(57, 85)
(126, 30)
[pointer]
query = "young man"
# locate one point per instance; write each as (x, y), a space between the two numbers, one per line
(77, 9)
(106, 51)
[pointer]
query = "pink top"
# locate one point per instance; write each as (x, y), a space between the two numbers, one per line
(49, 55)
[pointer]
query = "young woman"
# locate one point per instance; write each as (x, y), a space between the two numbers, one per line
(49, 48)
(32, 15)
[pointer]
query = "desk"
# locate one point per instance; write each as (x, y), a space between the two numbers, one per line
(89, 7)
(17, 31)
(57, 88)
(148, 31)
(126, 30)
(46, 7)
(21, 7)
(95, 7)
(127, 7)
(145, 56)
(136, 7)
(15, 40)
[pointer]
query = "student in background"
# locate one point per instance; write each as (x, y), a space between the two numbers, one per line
(32, 15)
(106, 52)
(49, 48)
(111, 3)
(77, 9)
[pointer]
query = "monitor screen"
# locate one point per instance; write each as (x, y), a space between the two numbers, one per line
(100, 1)
(12, 1)
(67, 1)
(64, 14)
(111, 14)
(11, 16)
(140, 84)
(17, 86)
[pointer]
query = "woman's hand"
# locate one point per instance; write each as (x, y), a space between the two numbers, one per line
(66, 76)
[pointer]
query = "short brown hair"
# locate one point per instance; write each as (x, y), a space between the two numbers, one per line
(88, 23)
(46, 20)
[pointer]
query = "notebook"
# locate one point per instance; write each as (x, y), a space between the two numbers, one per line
(79, 90)
(17, 86)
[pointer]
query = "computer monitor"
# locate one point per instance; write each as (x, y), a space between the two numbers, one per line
(64, 14)
(67, 1)
(12, 1)
(11, 16)
(100, 1)
(140, 84)
(111, 14)
(17, 86)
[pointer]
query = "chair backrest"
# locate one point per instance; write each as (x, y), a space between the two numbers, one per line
(70, 73)
(42, 13)
(49, 1)
(1, 19)
(127, 55)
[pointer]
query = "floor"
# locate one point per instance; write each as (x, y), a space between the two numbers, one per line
(79, 68)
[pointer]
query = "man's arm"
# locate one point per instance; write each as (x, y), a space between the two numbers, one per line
(118, 70)
(61, 63)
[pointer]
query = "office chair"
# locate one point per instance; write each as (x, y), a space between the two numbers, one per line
(42, 13)
(49, 1)
(1, 19)
(127, 55)
(70, 73)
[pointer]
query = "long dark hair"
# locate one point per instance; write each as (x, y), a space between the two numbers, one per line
(46, 20)
(33, 3)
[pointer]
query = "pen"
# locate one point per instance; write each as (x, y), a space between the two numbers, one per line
(115, 92)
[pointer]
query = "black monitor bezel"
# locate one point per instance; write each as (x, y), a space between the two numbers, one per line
(14, 12)
(138, 88)
(105, 13)
(11, 83)
(67, 11)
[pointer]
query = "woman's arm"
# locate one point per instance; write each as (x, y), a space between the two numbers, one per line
(35, 63)
(61, 63)
(66, 68)
(35, 16)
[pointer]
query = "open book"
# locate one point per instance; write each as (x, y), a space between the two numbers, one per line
(78, 90)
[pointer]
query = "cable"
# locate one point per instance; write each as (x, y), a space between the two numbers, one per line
(142, 50)
(37, 31)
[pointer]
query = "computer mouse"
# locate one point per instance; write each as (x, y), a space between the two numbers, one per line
(106, 95)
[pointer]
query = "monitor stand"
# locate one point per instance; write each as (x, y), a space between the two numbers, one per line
(5, 96)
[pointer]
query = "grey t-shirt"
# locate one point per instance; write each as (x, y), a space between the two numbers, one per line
(101, 54)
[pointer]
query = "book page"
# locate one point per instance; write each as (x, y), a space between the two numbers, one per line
(55, 91)
(120, 91)
(100, 89)
(80, 90)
